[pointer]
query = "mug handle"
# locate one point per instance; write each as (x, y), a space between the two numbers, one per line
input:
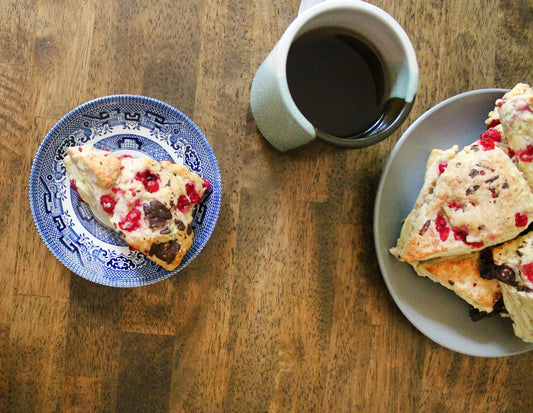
(306, 4)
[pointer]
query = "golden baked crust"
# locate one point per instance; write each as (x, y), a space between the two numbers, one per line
(461, 191)
(461, 274)
(150, 204)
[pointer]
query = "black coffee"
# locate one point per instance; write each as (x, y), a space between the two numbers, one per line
(337, 81)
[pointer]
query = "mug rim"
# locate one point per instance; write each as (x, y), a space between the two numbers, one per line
(294, 30)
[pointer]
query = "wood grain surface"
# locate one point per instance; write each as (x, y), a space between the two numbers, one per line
(285, 309)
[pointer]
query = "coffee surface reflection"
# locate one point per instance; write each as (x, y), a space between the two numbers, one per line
(337, 81)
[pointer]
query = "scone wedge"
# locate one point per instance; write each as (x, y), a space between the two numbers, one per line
(470, 200)
(149, 204)
(495, 128)
(516, 116)
(513, 267)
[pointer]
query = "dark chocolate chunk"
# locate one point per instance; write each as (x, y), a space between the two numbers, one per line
(156, 213)
(477, 315)
(523, 288)
(506, 275)
(424, 227)
(489, 270)
(473, 173)
(497, 310)
(165, 251)
(165, 231)
(491, 180)
(470, 191)
(179, 224)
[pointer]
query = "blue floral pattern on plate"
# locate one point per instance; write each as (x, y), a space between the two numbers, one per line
(127, 124)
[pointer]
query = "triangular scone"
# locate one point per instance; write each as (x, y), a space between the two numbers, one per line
(150, 204)
(478, 199)
(494, 126)
(516, 117)
(461, 274)
(513, 262)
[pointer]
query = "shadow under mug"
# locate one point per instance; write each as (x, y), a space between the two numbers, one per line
(275, 112)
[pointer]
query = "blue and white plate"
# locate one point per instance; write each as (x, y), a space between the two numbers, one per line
(136, 125)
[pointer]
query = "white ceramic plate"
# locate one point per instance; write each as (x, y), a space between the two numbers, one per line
(135, 125)
(434, 310)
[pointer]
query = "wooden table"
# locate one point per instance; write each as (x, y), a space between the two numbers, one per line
(285, 309)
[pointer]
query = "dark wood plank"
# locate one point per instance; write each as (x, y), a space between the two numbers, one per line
(144, 376)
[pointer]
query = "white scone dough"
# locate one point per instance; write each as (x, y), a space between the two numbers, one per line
(494, 121)
(150, 204)
(516, 117)
(461, 274)
(515, 259)
(470, 200)
(519, 305)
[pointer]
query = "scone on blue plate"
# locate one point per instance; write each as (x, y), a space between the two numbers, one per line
(149, 204)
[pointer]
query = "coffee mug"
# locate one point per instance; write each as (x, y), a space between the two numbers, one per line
(344, 72)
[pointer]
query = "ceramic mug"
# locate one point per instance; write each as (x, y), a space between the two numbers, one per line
(275, 112)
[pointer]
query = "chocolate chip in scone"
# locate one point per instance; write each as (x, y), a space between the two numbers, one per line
(165, 231)
(506, 275)
(165, 251)
(473, 173)
(156, 213)
(470, 191)
(523, 288)
(491, 180)
(179, 224)
(424, 227)
(189, 229)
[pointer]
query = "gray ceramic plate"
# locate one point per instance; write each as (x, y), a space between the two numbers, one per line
(434, 310)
